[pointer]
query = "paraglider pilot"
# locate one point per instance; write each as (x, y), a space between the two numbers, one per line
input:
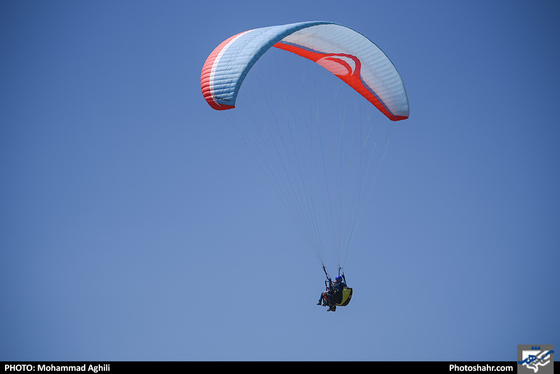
(333, 294)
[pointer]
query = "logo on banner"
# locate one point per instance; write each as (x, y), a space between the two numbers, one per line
(532, 359)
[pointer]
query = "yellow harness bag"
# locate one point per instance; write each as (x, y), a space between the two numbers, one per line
(346, 296)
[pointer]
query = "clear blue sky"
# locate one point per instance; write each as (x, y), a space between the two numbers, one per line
(134, 225)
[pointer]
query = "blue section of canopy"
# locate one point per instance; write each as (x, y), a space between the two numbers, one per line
(240, 55)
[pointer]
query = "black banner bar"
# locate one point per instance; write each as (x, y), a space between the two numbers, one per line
(115, 367)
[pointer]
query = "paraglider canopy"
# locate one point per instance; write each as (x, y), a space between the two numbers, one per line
(344, 52)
